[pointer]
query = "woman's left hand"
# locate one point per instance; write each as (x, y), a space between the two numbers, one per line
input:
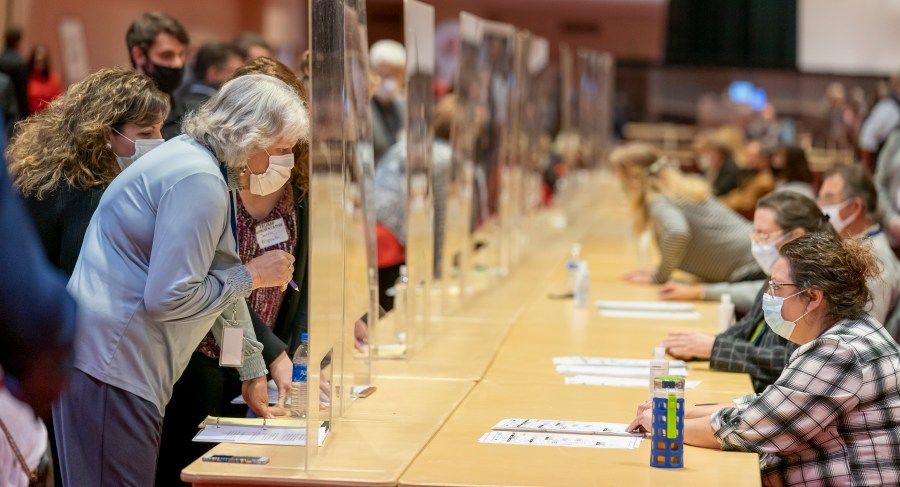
(282, 369)
(643, 276)
(643, 422)
(256, 393)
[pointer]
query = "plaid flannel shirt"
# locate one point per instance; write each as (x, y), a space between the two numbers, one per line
(734, 352)
(832, 418)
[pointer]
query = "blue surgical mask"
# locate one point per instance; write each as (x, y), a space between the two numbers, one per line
(771, 306)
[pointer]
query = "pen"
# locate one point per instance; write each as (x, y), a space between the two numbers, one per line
(294, 285)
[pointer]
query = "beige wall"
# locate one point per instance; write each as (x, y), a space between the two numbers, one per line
(105, 23)
(632, 29)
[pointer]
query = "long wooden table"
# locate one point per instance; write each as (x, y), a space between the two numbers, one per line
(492, 359)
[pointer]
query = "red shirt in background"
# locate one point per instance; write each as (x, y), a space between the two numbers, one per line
(42, 91)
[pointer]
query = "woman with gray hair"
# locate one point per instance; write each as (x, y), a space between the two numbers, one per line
(159, 267)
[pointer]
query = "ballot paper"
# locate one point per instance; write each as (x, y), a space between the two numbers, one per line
(650, 315)
(563, 427)
(615, 371)
(556, 439)
(257, 434)
(596, 380)
(644, 305)
(618, 362)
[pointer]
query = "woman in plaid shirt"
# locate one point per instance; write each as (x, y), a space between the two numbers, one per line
(833, 416)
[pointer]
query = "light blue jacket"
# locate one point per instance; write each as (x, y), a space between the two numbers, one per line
(158, 268)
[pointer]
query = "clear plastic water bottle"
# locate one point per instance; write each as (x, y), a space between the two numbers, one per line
(401, 304)
(572, 267)
(299, 385)
(659, 367)
(726, 313)
(582, 285)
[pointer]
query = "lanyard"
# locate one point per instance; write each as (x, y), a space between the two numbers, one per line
(231, 203)
(759, 333)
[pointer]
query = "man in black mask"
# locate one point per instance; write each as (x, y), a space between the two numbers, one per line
(157, 46)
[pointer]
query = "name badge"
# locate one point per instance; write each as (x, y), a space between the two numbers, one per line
(271, 233)
(231, 349)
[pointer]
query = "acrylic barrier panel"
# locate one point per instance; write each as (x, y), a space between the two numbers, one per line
(470, 116)
(327, 213)
(537, 115)
(342, 239)
(420, 231)
(360, 253)
(513, 166)
(568, 92)
(606, 72)
(498, 45)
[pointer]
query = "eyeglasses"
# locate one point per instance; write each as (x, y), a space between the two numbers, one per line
(774, 287)
(766, 237)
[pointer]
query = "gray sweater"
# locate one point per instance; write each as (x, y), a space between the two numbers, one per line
(158, 268)
(705, 239)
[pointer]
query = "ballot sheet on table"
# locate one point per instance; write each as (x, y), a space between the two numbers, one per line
(597, 380)
(644, 306)
(613, 362)
(614, 371)
(650, 315)
(560, 439)
(565, 427)
(254, 431)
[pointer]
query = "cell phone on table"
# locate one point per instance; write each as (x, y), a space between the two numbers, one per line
(236, 459)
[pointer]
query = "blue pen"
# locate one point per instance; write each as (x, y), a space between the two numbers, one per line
(294, 285)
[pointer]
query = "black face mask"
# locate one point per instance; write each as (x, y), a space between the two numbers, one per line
(167, 79)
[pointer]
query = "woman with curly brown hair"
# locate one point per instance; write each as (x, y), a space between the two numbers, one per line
(831, 417)
(64, 157)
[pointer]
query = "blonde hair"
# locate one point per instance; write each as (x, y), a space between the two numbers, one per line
(66, 143)
(647, 176)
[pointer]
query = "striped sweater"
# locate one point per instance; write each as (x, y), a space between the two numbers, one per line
(705, 239)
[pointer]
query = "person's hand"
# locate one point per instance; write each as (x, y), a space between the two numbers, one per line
(643, 276)
(676, 291)
(271, 269)
(282, 370)
(361, 332)
(324, 392)
(643, 422)
(689, 345)
(256, 393)
(894, 228)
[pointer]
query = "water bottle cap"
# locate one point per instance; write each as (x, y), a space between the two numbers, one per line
(659, 353)
(304, 337)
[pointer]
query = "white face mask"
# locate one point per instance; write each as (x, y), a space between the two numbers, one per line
(388, 89)
(834, 215)
(766, 254)
(276, 175)
(771, 306)
(141, 147)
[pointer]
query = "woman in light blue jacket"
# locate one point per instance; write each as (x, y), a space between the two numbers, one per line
(159, 267)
